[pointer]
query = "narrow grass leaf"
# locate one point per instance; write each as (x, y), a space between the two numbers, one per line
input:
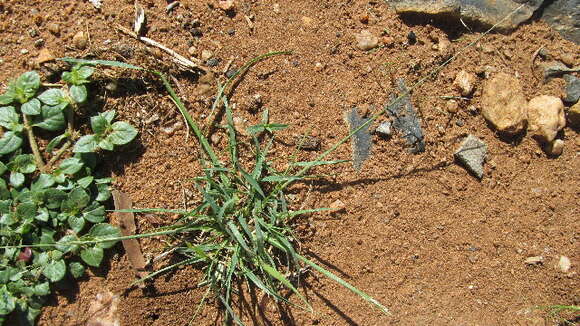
(277, 275)
(101, 62)
(235, 233)
(317, 163)
(252, 182)
(347, 285)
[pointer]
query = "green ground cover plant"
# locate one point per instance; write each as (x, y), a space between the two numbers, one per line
(49, 209)
(241, 233)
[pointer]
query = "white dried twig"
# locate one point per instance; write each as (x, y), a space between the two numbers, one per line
(177, 58)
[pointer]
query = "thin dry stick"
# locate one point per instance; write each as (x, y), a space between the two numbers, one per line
(177, 58)
(33, 145)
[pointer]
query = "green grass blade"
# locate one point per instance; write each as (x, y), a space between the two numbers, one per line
(101, 62)
(317, 163)
(255, 186)
(347, 285)
(230, 311)
(282, 279)
(235, 233)
(280, 178)
(190, 261)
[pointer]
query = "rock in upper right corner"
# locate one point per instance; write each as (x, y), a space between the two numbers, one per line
(504, 105)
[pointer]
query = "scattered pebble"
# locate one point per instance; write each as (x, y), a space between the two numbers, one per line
(504, 104)
(192, 50)
(213, 62)
(231, 72)
(572, 89)
(337, 205)
(564, 264)
(412, 37)
(535, 260)
(44, 56)
(471, 154)
(364, 18)
(206, 55)
(384, 129)
(231, 32)
(39, 43)
(452, 106)
(53, 28)
(464, 82)
(123, 49)
(366, 41)
(555, 148)
(81, 40)
(226, 5)
(545, 117)
(33, 32)
(574, 115)
(459, 123)
(444, 45)
(24, 51)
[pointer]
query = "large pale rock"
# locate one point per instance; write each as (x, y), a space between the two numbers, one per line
(545, 117)
(503, 104)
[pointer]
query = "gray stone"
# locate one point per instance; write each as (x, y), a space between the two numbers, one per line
(564, 16)
(471, 154)
(572, 89)
(405, 118)
(483, 12)
(361, 140)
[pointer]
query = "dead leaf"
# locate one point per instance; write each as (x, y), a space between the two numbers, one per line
(103, 310)
(139, 19)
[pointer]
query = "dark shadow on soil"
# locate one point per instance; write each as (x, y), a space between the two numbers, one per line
(327, 186)
(334, 308)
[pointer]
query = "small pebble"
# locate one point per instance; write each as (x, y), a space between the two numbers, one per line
(452, 106)
(39, 43)
(412, 37)
(564, 264)
(44, 56)
(464, 82)
(384, 129)
(81, 40)
(365, 40)
(54, 28)
(337, 205)
(206, 55)
(213, 62)
(459, 123)
(535, 260)
(364, 18)
(192, 50)
(24, 51)
(231, 72)
(33, 32)
(555, 148)
(231, 31)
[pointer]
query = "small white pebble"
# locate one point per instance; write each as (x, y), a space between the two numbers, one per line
(23, 51)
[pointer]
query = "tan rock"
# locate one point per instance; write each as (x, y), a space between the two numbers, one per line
(545, 117)
(555, 148)
(574, 115)
(464, 82)
(503, 104)
(365, 40)
(226, 4)
(81, 40)
(44, 56)
(564, 264)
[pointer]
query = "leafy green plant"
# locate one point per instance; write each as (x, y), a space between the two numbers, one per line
(52, 215)
(557, 313)
(242, 231)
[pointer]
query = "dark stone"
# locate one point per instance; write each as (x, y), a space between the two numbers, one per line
(412, 37)
(564, 16)
(572, 89)
(196, 32)
(405, 118)
(361, 139)
(231, 72)
(213, 62)
(483, 12)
